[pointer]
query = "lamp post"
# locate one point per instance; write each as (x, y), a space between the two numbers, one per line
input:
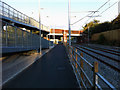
(40, 25)
(54, 34)
(69, 15)
(40, 30)
(49, 34)
(53, 30)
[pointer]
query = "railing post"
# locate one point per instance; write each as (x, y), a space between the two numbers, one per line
(31, 37)
(76, 60)
(22, 39)
(15, 37)
(81, 64)
(73, 54)
(95, 77)
(17, 16)
(27, 40)
(6, 36)
(69, 50)
(13, 14)
(2, 8)
(24, 18)
(8, 12)
(29, 21)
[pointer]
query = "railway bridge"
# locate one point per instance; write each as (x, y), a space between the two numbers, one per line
(80, 66)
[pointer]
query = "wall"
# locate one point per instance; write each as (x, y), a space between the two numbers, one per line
(109, 35)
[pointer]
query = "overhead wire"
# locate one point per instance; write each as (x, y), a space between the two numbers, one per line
(110, 7)
(105, 9)
(91, 13)
(81, 19)
(97, 10)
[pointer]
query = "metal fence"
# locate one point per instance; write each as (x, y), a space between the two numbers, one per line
(16, 39)
(77, 61)
(10, 12)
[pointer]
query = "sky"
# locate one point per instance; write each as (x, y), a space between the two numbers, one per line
(55, 12)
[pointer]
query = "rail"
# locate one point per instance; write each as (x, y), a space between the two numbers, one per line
(105, 50)
(10, 12)
(77, 61)
(102, 61)
(117, 60)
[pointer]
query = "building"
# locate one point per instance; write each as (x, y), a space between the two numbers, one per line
(58, 34)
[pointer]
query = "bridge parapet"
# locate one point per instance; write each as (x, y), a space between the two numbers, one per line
(12, 13)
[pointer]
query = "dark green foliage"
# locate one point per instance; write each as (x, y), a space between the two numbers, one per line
(100, 27)
(116, 23)
(96, 27)
(101, 39)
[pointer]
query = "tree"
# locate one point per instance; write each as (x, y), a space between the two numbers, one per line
(89, 25)
(116, 23)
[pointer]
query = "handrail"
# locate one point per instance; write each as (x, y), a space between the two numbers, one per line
(79, 70)
(105, 81)
(98, 86)
(84, 73)
(84, 59)
(86, 77)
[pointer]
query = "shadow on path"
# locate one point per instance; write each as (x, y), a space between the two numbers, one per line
(53, 70)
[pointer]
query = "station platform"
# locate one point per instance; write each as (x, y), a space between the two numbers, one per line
(53, 70)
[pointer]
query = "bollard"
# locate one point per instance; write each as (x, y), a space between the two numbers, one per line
(95, 77)
(81, 64)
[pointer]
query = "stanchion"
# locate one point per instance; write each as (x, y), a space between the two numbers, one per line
(95, 77)
(81, 64)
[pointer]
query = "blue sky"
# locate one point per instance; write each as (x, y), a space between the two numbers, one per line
(57, 11)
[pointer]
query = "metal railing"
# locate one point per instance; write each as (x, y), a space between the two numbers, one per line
(13, 36)
(78, 63)
(10, 12)
(17, 38)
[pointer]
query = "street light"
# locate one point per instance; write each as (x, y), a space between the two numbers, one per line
(69, 15)
(53, 30)
(40, 25)
(54, 33)
(49, 34)
(69, 20)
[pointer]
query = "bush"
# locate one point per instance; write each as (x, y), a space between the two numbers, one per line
(101, 39)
